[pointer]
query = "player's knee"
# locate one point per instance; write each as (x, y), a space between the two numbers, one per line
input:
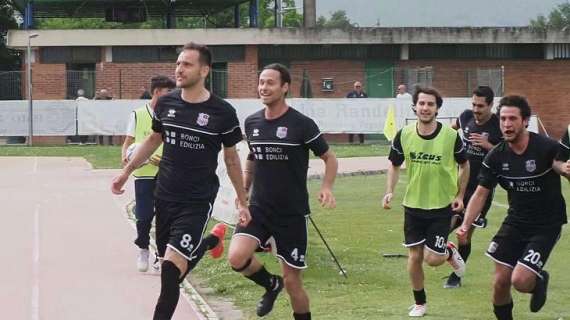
(501, 282)
(434, 260)
(293, 283)
(239, 263)
(523, 282)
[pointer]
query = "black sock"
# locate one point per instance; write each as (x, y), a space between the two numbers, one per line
(464, 251)
(169, 291)
(210, 242)
(302, 316)
(262, 278)
(420, 296)
(504, 312)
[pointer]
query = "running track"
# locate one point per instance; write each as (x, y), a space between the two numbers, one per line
(67, 249)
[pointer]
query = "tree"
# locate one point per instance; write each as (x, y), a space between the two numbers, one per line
(8, 58)
(224, 19)
(338, 20)
(558, 19)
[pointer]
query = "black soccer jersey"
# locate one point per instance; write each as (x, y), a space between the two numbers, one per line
(193, 134)
(475, 155)
(564, 147)
(533, 187)
(280, 151)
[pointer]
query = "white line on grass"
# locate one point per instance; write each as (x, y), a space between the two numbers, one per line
(36, 266)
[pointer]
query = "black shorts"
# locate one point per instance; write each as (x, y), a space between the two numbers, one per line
(289, 233)
(517, 245)
(429, 229)
(182, 225)
(481, 220)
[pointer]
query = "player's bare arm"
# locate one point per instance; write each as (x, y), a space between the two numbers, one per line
(144, 151)
(233, 165)
(393, 177)
(474, 206)
(562, 168)
(128, 141)
(326, 197)
(462, 181)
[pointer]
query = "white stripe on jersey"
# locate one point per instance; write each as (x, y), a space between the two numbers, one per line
(231, 130)
(528, 177)
(277, 143)
(191, 129)
(311, 140)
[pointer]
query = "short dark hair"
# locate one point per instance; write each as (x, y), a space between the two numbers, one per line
(485, 91)
(517, 102)
(430, 91)
(160, 82)
(283, 72)
(205, 53)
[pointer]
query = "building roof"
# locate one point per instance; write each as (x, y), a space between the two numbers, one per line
(96, 8)
(285, 36)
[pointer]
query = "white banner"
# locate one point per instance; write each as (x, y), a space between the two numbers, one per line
(224, 207)
(110, 117)
(51, 118)
(105, 117)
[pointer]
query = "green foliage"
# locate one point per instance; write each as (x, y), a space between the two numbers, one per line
(94, 23)
(8, 58)
(558, 19)
(225, 19)
(338, 20)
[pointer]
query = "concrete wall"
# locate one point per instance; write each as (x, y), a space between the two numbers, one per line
(163, 37)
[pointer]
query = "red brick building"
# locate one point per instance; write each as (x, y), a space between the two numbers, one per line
(454, 60)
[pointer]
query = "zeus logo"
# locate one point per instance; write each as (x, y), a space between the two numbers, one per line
(420, 156)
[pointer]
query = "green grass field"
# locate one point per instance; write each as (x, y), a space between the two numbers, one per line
(109, 157)
(359, 232)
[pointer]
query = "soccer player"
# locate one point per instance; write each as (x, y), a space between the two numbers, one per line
(140, 127)
(523, 165)
(563, 163)
(435, 190)
(280, 138)
(194, 125)
(480, 132)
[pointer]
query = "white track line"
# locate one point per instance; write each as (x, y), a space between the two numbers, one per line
(35, 315)
(35, 167)
(197, 303)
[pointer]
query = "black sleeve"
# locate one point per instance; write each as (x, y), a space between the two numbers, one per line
(396, 151)
(156, 123)
(314, 139)
(232, 132)
(464, 117)
(459, 151)
(488, 174)
(564, 148)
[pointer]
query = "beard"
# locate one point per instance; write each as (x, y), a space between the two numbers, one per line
(188, 82)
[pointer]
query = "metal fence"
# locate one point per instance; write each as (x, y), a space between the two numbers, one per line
(308, 80)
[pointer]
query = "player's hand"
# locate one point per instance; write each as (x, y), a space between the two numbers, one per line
(118, 183)
(480, 140)
(461, 233)
(386, 200)
(155, 159)
(457, 205)
(244, 215)
(326, 198)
